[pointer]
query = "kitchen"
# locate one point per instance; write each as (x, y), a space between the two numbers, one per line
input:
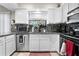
(39, 29)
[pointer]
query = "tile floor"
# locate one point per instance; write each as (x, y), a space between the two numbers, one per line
(28, 53)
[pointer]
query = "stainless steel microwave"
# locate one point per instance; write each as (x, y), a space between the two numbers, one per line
(20, 28)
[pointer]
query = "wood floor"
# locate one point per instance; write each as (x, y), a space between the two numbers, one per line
(35, 54)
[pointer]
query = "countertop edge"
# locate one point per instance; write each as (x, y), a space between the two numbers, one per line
(6, 35)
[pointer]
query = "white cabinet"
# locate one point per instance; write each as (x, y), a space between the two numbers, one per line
(73, 6)
(41, 15)
(54, 15)
(2, 46)
(54, 42)
(39, 42)
(57, 15)
(64, 12)
(44, 42)
(10, 44)
(7, 45)
(50, 16)
(21, 16)
(34, 42)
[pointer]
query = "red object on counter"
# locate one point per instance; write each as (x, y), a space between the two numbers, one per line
(70, 48)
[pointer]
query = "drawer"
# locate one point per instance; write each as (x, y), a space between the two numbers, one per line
(44, 36)
(11, 36)
(10, 39)
(34, 36)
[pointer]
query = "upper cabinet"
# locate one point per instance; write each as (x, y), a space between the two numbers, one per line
(21, 16)
(72, 6)
(54, 15)
(57, 15)
(64, 12)
(50, 18)
(73, 12)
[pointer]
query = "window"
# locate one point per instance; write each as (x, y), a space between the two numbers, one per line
(5, 23)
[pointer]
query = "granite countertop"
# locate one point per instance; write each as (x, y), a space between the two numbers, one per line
(43, 33)
(16, 33)
(6, 35)
(69, 36)
(36, 33)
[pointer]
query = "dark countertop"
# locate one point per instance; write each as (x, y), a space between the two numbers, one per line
(27, 33)
(69, 36)
(17, 33)
(6, 35)
(44, 33)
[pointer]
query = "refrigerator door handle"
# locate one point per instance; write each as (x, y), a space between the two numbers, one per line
(24, 40)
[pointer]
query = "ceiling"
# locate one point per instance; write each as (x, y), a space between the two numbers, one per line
(9, 6)
(29, 6)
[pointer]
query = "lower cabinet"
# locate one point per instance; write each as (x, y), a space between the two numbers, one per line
(54, 42)
(44, 42)
(2, 46)
(10, 44)
(7, 45)
(44, 45)
(34, 45)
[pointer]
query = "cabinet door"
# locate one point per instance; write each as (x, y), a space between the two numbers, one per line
(65, 11)
(13, 43)
(9, 48)
(58, 15)
(10, 44)
(2, 46)
(73, 6)
(55, 42)
(50, 18)
(44, 43)
(2, 50)
(34, 43)
(21, 16)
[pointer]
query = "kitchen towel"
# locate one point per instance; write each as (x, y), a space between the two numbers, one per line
(70, 48)
(63, 49)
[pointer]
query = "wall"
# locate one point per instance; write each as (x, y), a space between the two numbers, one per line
(12, 14)
(3, 9)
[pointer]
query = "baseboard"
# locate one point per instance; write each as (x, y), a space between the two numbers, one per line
(12, 53)
(39, 51)
(55, 52)
(22, 51)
